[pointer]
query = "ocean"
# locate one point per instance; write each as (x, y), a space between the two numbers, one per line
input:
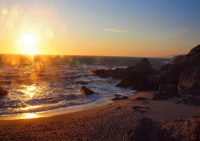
(48, 85)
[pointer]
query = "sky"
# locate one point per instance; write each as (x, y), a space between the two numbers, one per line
(134, 28)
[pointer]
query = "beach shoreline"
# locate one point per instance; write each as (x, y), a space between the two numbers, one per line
(105, 122)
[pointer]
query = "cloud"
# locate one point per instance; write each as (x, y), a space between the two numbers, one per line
(167, 39)
(173, 36)
(116, 30)
(180, 34)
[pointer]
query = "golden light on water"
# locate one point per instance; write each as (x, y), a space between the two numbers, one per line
(29, 115)
(15, 60)
(6, 59)
(30, 90)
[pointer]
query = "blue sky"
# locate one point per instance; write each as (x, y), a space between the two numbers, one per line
(151, 28)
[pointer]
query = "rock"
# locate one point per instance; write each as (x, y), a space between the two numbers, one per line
(3, 91)
(118, 73)
(158, 96)
(144, 65)
(141, 82)
(168, 90)
(86, 91)
(133, 76)
(191, 60)
(195, 50)
(175, 130)
(189, 82)
(146, 130)
(181, 130)
(191, 100)
(136, 107)
(120, 98)
(141, 98)
(169, 77)
(117, 95)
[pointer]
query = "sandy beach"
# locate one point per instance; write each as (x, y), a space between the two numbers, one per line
(110, 122)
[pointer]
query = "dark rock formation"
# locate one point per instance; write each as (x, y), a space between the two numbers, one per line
(118, 73)
(189, 82)
(195, 50)
(146, 130)
(144, 65)
(178, 78)
(86, 91)
(168, 90)
(191, 60)
(141, 98)
(3, 91)
(181, 130)
(165, 91)
(191, 100)
(174, 130)
(142, 77)
(121, 98)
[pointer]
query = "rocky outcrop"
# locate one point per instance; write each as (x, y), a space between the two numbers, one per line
(181, 129)
(144, 65)
(191, 100)
(146, 130)
(3, 91)
(195, 50)
(118, 73)
(175, 130)
(140, 82)
(178, 78)
(191, 60)
(168, 90)
(86, 91)
(142, 77)
(165, 91)
(189, 82)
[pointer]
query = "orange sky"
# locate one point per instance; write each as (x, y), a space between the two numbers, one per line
(72, 28)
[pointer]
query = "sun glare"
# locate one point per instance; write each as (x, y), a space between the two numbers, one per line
(28, 44)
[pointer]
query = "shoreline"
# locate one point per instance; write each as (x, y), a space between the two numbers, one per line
(59, 111)
(104, 122)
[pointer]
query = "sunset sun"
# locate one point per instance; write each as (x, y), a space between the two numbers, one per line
(28, 43)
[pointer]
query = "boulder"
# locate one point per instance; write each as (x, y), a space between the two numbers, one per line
(191, 100)
(146, 130)
(3, 91)
(181, 130)
(189, 82)
(121, 98)
(159, 96)
(169, 77)
(118, 73)
(168, 90)
(141, 98)
(86, 91)
(144, 65)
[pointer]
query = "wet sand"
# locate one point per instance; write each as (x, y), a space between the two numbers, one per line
(110, 122)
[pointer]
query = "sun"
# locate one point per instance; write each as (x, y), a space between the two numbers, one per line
(29, 43)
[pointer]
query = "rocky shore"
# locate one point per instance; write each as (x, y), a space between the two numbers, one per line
(179, 78)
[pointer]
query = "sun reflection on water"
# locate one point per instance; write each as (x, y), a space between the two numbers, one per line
(29, 115)
(30, 90)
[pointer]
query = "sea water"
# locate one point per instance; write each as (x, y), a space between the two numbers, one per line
(44, 86)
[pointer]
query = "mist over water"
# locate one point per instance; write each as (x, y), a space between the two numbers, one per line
(43, 83)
